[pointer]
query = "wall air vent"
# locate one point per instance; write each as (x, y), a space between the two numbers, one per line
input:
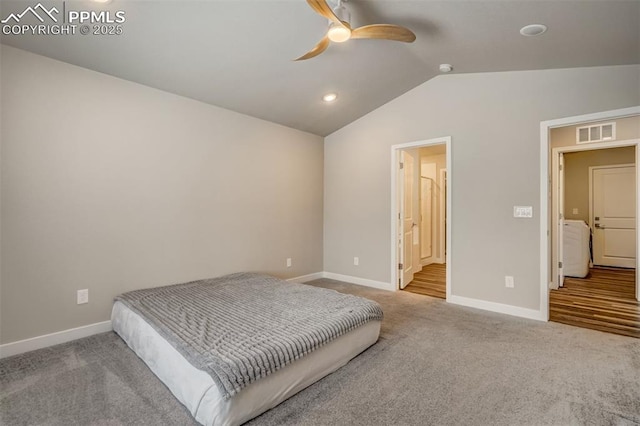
(596, 133)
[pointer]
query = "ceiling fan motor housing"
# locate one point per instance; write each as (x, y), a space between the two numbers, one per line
(342, 14)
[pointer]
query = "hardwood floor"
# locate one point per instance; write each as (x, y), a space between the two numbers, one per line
(431, 281)
(604, 301)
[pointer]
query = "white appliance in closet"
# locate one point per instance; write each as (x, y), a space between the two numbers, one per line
(576, 250)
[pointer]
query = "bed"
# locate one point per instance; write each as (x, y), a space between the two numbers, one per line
(232, 347)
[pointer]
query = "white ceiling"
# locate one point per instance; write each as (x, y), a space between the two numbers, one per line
(238, 54)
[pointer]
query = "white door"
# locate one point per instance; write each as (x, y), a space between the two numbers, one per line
(560, 220)
(406, 242)
(613, 195)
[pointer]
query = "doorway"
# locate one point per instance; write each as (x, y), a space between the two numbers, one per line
(593, 241)
(420, 213)
(594, 188)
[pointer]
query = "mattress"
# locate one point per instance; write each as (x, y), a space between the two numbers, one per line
(196, 390)
(576, 253)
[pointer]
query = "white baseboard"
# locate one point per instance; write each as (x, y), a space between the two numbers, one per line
(346, 278)
(497, 307)
(307, 278)
(360, 281)
(39, 342)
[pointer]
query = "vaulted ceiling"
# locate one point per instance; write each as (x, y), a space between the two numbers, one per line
(237, 54)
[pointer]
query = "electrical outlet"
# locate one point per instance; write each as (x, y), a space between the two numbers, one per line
(508, 282)
(289, 262)
(356, 261)
(82, 296)
(575, 210)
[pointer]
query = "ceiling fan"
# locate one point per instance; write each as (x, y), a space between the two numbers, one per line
(340, 29)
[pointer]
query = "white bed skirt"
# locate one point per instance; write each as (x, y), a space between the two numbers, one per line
(196, 389)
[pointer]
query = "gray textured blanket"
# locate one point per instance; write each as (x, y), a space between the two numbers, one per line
(242, 327)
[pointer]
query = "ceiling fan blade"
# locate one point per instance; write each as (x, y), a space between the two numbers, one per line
(322, 8)
(384, 31)
(318, 49)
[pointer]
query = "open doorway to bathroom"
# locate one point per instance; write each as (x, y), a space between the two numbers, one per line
(421, 213)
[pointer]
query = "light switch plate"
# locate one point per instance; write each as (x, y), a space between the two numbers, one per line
(523, 211)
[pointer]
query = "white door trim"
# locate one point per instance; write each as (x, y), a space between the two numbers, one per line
(545, 183)
(395, 154)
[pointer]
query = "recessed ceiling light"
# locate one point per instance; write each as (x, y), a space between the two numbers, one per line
(533, 30)
(330, 97)
(446, 68)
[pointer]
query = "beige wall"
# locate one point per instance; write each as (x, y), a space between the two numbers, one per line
(494, 121)
(576, 183)
(113, 186)
(626, 128)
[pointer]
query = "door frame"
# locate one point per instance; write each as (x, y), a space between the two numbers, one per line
(555, 240)
(395, 160)
(591, 220)
(545, 193)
